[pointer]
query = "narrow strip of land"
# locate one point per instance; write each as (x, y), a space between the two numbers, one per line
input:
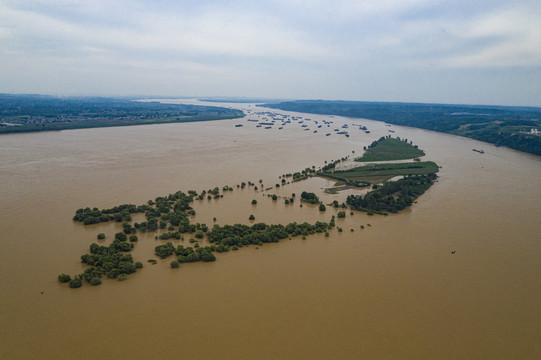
(30, 113)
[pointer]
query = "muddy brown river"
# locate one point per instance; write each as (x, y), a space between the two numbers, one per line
(390, 291)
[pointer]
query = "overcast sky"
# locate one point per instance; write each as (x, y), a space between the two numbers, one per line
(458, 51)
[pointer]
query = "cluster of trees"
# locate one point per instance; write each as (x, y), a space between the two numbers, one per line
(173, 212)
(119, 214)
(240, 235)
(392, 196)
(331, 165)
(185, 254)
(111, 261)
(309, 197)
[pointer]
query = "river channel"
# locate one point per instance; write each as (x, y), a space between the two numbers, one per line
(392, 290)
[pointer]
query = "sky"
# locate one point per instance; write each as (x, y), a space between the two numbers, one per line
(431, 51)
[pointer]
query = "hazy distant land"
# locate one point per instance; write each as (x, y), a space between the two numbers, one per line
(499, 125)
(28, 113)
(515, 127)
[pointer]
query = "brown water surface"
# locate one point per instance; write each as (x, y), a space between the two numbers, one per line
(390, 291)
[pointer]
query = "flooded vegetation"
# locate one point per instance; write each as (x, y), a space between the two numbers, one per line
(173, 212)
(376, 287)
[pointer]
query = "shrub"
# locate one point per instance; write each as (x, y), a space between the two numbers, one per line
(309, 197)
(101, 236)
(133, 238)
(121, 236)
(322, 207)
(64, 278)
(174, 264)
(207, 256)
(75, 283)
(122, 277)
(252, 217)
(138, 265)
(95, 281)
(341, 214)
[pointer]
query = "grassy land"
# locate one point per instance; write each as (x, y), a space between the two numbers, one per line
(390, 149)
(377, 173)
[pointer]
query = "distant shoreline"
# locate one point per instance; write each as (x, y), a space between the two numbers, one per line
(516, 127)
(36, 113)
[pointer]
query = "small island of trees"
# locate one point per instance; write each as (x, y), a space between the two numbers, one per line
(172, 212)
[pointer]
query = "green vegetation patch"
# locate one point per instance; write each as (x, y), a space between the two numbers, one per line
(172, 212)
(392, 196)
(377, 173)
(309, 197)
(388, 148)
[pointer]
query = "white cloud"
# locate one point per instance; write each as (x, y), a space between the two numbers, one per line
(510, 37)
(319, 47)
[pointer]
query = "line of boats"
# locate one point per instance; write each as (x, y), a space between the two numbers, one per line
(268, 119)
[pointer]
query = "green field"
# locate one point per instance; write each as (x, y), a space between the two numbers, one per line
(390, 149)
(378, 173)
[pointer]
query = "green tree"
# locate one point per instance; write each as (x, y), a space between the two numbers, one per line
(121, 236)
(101, 236)
(64, 278)
(75, 283)
(322, 207)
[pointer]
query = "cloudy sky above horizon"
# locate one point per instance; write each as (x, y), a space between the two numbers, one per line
(468, 52)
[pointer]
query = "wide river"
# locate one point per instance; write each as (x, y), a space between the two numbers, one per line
(390, 291)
